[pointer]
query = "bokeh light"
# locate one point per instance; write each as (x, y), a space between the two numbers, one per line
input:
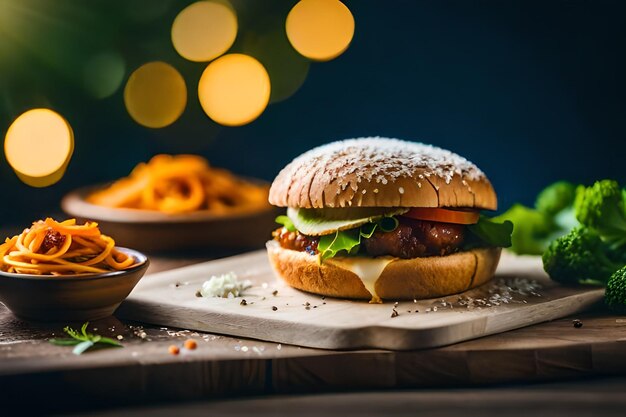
(320, 29)
(204, 30)
(286, 67)
(234, 89)
(103, 74)
(155, 94)
(38, 146)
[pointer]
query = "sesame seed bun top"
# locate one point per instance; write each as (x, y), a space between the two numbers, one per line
(381, 172)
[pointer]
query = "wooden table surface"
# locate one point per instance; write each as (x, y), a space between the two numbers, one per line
(143, 371)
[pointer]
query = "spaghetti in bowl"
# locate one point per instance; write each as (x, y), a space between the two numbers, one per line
(73, 281)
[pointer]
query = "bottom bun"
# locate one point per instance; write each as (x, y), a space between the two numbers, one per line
(401, 279)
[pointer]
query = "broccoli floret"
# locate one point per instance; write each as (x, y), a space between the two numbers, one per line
(556, 197)
(531, 229)
(615, 296)
(581, 257)
(601, 207)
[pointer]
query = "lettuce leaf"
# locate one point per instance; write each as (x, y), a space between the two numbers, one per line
(286, 223)
(489, 232)
(344, 240)
(552, 217)
(348, 241)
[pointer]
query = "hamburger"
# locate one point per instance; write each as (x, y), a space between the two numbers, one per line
(378, 218)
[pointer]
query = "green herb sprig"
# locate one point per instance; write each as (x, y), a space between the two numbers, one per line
(82, 341)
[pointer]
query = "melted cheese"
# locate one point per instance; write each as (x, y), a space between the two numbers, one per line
(367, 269)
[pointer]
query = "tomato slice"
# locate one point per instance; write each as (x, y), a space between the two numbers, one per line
(443, 215)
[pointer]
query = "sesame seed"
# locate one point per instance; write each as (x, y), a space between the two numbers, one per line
(401, 190)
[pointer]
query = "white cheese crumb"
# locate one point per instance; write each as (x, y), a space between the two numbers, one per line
(225, 286)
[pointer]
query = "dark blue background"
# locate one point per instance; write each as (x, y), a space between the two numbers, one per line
(531, 91)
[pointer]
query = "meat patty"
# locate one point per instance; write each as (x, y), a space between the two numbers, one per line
(416, 238)
(296, 241)
(411, 239)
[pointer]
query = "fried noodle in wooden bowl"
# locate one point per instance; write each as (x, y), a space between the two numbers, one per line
(181, 184)
(178, 202)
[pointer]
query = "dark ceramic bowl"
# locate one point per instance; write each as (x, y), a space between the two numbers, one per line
(152, 231)
(70, 297)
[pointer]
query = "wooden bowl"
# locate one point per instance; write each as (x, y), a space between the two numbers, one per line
(153, 231)
(70, 297)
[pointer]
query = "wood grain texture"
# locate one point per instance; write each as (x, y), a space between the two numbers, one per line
(298, 318)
